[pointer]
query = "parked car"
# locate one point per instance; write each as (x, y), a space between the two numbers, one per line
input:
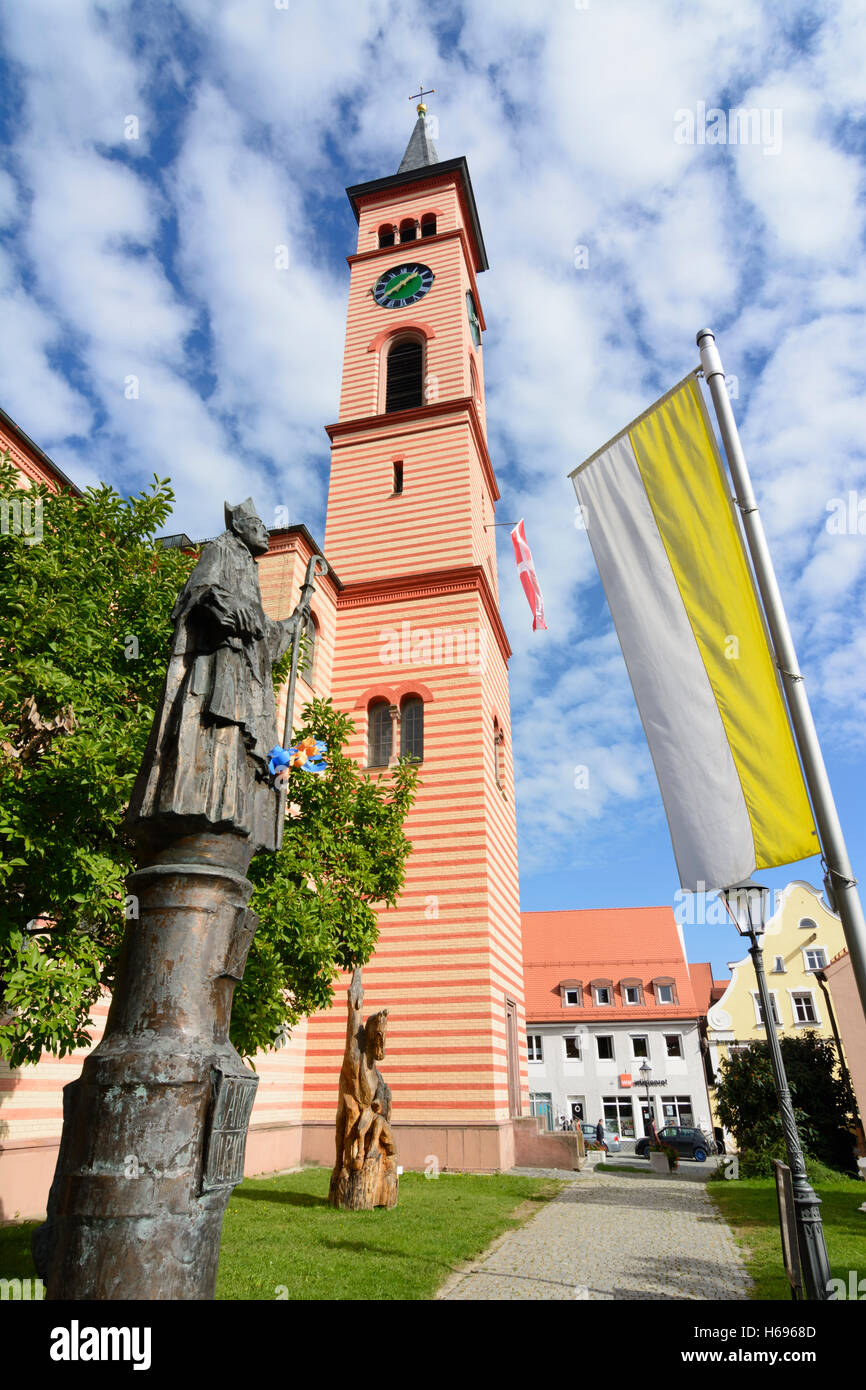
(689, 1143)
(611, 1139)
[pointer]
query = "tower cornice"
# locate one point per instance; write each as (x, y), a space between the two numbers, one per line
(428, 176)
(385, 425)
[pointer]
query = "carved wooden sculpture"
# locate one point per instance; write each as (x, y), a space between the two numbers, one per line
(365, 1173)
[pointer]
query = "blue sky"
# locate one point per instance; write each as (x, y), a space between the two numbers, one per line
(153, 258)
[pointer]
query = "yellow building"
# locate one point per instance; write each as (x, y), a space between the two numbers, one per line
(802, 936)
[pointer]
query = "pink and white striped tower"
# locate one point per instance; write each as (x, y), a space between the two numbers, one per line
(411, 502)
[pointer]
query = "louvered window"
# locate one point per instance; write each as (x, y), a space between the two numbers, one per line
(412, 728)
(379, 738)
(404, 382)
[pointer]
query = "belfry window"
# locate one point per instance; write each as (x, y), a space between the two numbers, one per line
(428, 224)
(412, 728)
(387, 235)
(404, 388)
(380, 734)
(408, 229)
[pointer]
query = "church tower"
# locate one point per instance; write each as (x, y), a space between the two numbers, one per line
(420, 662)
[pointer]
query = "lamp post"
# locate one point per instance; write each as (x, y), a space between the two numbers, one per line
(645, 1073)
(747, 905)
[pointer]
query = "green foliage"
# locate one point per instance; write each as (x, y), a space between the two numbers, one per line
(822, 1098)
(344, 851)
(85, 635)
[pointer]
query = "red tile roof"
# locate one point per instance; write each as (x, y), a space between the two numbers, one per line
(617, 943)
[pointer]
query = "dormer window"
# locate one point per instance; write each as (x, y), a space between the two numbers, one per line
(571, 993)
(632, 991)
(665, 990)
(602, 991)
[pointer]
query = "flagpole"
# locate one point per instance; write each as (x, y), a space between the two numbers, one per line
(840, 883)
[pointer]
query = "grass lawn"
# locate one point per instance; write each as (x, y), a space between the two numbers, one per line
(281, 1232)
(750, 1208)
(281, 1239)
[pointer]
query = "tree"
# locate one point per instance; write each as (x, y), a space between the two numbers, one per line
(820, 1092)
(343, 850)
(87, 625)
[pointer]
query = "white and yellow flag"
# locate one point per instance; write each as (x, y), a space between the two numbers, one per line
(661, 522)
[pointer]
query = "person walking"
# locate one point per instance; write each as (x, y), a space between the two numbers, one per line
(599, 1135)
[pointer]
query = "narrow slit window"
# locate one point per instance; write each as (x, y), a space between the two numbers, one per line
(398, 475)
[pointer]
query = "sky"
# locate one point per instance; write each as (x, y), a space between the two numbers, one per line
(155, 154)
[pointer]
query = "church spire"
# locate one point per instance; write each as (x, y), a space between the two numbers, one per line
(420, 150)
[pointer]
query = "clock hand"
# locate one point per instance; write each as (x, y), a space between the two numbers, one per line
(392, 289)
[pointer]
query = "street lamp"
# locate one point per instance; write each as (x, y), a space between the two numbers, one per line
(747, 906)
(645, 1073)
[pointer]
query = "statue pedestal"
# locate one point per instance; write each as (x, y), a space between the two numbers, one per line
(154, 1129)
(373, 1185)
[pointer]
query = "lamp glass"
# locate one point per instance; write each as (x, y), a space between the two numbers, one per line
(747, 906)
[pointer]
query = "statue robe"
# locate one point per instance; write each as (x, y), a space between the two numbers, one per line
(205, 766)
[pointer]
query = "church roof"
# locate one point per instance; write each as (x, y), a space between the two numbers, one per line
(420, 151)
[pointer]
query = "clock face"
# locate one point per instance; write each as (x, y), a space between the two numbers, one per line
(474, 323)
(402, 285)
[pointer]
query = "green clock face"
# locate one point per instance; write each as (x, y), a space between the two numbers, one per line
(474, 323)
(402, 285)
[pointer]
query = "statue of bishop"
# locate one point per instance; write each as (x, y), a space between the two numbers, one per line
(206, 763)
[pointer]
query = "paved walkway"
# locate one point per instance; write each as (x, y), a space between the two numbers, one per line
(612, 1236)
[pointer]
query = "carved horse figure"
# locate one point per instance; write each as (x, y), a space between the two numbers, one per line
(363, 1132)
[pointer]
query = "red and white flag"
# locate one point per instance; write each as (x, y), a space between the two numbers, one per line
(528, 577)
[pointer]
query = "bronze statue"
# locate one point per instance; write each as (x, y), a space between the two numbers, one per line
(365, 1172)
(206, 763)
(154, 1129)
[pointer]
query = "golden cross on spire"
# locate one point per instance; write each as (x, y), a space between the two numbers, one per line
(419, 97)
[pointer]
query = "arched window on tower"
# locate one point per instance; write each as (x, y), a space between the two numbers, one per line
(408, 229)
(379, 734)
(387, 234)
(473, 378)
(412, 728)
(404, 387)
(428, 224)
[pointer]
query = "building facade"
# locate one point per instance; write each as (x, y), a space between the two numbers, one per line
(608, 992)
(802, 937)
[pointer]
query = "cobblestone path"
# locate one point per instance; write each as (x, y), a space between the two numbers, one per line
(611, 1236)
